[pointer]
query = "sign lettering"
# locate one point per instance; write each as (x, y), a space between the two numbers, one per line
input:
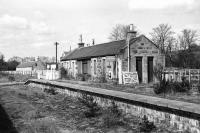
(130, 78)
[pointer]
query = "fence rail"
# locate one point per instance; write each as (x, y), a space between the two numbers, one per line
(40, 74)
(48, 74)
(192, 75)
(32, 73)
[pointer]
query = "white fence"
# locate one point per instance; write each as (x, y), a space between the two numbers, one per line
(40, 74)
(192, 75)
(48, 74)
(32, 73)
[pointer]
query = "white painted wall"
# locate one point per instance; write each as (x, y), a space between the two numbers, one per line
(24, 69)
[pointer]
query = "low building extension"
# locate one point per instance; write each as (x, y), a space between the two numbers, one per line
(31, 66)
(133, 54)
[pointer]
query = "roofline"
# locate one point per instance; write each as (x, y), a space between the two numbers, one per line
(150, 40)
(103, 43)
(89, 57)
(89, 47)
(146, 38)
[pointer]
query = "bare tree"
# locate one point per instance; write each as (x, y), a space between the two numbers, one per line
(162, 36)
(187, 38)
(119, 32)
(171, 46)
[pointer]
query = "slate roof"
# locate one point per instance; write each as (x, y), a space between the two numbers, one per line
(26, 64)
(37, 64)
(105, 49)
(99, 50)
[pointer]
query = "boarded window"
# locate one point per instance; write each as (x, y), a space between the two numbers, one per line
(104, 65)
(95, 67)
(73, 67)
(114, 67)
(85, 67)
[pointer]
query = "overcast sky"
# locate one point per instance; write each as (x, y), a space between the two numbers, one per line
(30, 27)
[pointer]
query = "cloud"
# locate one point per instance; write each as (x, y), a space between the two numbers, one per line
(158, 4)
(13, 23)
(40, 44)
(17, 30)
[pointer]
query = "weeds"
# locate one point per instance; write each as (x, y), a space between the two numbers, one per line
(172, 87)
(112, 116)
(92, 108)
(145, 125)
(51, 91)
(11, 78)
(44, 125)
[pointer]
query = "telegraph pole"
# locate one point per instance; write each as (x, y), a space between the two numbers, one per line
(56, 43)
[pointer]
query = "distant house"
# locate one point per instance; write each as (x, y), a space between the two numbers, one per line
(51, 66)
(31, 66)
(134, 54)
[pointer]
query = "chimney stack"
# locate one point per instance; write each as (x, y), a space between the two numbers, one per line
(81, 44)
(93, 42)
(131, 33)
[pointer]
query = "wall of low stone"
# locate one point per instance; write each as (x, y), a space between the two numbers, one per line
(172, 117)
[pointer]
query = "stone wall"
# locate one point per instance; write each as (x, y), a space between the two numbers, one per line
(138, 109)
(144, 48)
(104, 66)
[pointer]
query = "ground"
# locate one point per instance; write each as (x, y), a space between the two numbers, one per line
(32, 110)
(143, 89)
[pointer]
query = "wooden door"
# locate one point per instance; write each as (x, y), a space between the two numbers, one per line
(139, 68)
(85, 67)
(150, 69)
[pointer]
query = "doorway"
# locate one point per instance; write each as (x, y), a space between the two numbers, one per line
(85, 67)
(150, 69)
(139, 68)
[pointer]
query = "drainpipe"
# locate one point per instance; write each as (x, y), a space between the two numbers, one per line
(131, 34)
(128, 53)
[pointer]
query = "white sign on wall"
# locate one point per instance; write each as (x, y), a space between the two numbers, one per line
(130, 77)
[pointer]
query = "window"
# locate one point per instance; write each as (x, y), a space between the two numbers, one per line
(95, 67)
(67, 65)
(85, 67)
(73, 67)
(104, 65)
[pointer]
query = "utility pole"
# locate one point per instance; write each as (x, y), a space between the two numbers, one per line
(56, 43)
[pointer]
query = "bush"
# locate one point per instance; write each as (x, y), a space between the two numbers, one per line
(92, 108)
(185, 84)
(158, 72)
(63, 73)
(169, 87)
(80, 77)
(87, 77)
(100, 78)
(145, 125)
(11, 78)
(112, 116)
(83, 77)
(161, 87)
(51, 91)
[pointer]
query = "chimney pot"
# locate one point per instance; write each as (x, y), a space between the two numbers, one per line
(132, 33)
(81, 44)
(93, 42)
(131, 27)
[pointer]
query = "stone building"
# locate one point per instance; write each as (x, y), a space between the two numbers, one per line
(134, 54)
